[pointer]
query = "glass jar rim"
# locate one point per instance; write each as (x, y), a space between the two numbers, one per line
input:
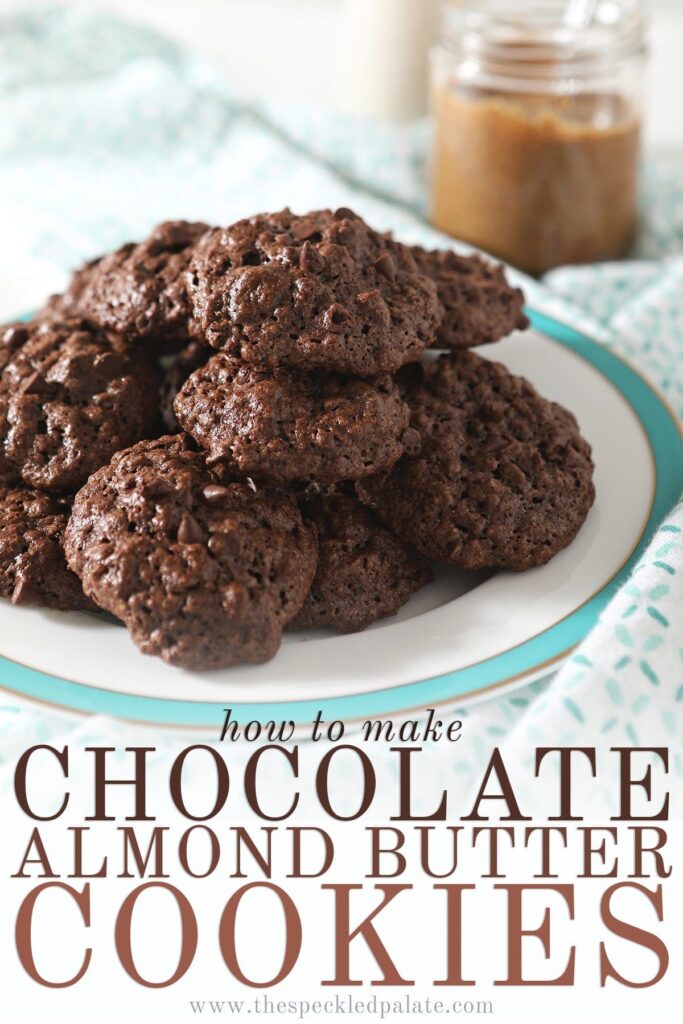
(537, 41)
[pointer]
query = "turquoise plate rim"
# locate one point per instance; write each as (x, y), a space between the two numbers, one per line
(663, 430)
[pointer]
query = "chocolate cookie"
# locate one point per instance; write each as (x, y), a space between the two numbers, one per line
(139, 290)
(33, 569)
(73, 396)
(364, 572)
(202, 574)
(480, 306)
(503, 479)
(320, 290)
(174, 376)
(281, 424)
(12, 337)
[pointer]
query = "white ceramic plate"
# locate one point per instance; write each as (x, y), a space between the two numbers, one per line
(460, 637)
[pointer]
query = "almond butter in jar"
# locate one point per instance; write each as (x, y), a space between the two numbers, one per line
(537, 129)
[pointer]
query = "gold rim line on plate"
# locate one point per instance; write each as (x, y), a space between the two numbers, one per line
(470, 694)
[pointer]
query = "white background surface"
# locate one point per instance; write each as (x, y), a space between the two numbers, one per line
(291, 48)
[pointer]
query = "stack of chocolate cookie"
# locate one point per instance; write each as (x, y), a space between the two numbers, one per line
(312, 461)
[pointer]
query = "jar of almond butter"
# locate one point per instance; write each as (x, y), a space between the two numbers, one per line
(537, 111)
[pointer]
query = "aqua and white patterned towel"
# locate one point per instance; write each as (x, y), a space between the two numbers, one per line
(106, 129)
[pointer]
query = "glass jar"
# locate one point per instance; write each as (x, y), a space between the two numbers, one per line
(537, 129)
